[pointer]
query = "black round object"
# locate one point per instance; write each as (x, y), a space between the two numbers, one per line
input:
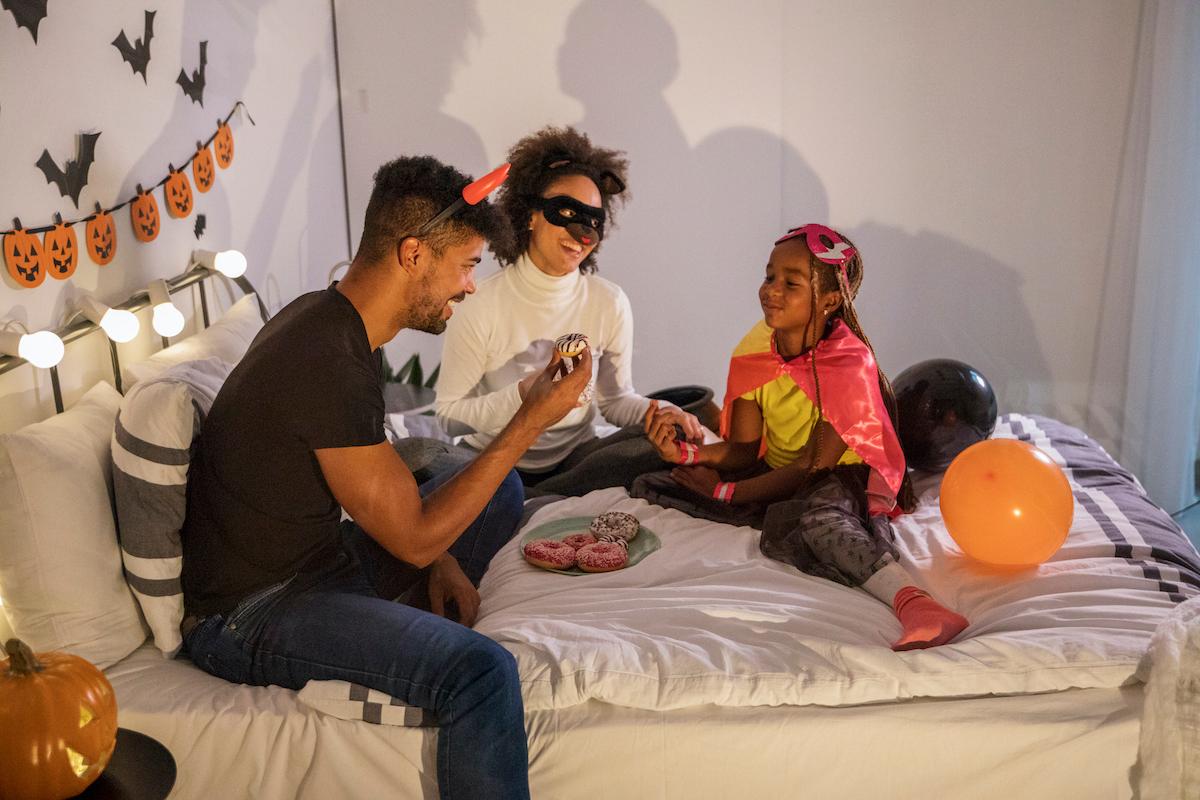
(944, 406)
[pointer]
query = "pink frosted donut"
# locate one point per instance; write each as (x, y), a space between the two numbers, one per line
(550, 554)
(602, 556)
(578, 540)
(613, 525)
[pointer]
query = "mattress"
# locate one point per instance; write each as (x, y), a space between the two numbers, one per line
(709, 671)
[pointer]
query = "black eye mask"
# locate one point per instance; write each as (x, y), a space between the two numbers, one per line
(585, 223)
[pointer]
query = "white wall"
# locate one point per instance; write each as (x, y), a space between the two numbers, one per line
(281, 202)
(971, 148)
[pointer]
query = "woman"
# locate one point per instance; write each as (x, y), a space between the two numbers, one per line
(560, 197)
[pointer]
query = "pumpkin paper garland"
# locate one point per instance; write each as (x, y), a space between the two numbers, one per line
(100, 236)
(58, 724)
(203, 171)
(61, 250)
(143, 215)
(223, 145)
(178, 193)
(24, 257)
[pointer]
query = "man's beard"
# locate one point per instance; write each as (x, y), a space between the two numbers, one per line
(426, 313)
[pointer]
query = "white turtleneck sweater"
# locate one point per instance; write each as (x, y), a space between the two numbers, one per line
(506, 330)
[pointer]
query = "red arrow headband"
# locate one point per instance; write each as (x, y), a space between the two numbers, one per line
(472, 194)
(824, 243)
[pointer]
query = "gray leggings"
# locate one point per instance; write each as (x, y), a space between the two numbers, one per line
(824, 529)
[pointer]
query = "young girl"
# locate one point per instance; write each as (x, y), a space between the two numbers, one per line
(810, 453)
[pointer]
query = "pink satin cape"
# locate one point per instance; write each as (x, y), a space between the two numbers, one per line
(850, 399)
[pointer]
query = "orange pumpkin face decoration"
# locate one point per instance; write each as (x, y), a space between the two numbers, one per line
(143, 215)
(61, 250)
(223, 145)
(100, 236)
(203, 171)
(178, 193)
(59, 724)
(24, 257)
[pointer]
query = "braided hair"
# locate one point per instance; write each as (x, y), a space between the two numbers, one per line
(827, 277)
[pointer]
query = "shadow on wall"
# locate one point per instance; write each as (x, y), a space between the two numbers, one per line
(423, 51)
(692, 244)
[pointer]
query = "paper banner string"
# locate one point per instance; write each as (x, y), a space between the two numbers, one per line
(222, 124)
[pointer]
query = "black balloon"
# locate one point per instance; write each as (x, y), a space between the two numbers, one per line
(944, 407)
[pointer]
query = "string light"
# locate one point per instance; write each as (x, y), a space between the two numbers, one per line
(230, 263)
(42, 349)
(167, 319)
(120, 325)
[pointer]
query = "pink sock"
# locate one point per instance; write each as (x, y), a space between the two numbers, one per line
(927, 623)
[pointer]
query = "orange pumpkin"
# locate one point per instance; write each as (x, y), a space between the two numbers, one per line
(100, 235)
(61, 250)
(24, 257)
(143, 215)
(223, 145)
(178, 193)
(58, 724)
(203, 171)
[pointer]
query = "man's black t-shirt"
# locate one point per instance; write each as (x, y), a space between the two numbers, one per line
(259, 510)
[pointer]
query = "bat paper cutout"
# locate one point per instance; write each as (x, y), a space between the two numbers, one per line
(70, 181)
(201, 224)
(27, 13)
(137, 55)
(193, 87)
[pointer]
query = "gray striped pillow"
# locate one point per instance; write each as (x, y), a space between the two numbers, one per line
(151, 450)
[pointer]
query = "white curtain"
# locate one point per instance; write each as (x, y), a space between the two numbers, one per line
(1146, 379)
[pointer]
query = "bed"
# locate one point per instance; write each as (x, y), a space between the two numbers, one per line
(708, 671)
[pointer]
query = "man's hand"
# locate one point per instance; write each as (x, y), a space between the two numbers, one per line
(702, 480)
(546, 400)
(448, 582)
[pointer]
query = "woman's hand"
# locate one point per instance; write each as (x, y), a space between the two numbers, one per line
(659, 426)
(448, 582)
(702, 480)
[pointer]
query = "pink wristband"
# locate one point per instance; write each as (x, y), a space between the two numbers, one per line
(688, 453)
(724, 491)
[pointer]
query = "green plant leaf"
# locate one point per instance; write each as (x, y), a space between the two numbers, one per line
(432, 381)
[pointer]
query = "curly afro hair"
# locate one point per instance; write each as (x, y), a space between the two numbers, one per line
(408, 193)
(531, 174)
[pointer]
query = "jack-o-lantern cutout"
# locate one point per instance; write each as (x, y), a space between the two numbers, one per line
(203, 171)
(178, 193)
(24, 257)
(143, 214)
(100, 237)
(60, 723)
(61, 250)
(223, 145)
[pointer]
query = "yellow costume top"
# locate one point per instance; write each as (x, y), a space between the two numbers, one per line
(788, 420)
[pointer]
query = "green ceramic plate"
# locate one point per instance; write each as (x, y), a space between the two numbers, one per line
(645, 543)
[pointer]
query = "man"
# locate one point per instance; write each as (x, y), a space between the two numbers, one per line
(277, 589)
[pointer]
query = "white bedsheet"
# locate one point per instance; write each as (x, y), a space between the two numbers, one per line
(709, 620)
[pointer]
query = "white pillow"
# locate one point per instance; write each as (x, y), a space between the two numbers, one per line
(151, 452)
(60, 567)
(226, 339)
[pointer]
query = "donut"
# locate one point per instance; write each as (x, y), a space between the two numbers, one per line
(578, 540)
(570, 345)
(602, 556)
(612, 525)
(550, 554)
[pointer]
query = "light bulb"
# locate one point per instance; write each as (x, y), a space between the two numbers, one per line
(230, 263)
(42, 349)
(167, 319)
(118, 324)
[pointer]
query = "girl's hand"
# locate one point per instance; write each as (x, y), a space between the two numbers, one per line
(702, 480)
(660, 430)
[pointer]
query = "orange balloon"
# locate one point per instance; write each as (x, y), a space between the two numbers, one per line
(1006, 502)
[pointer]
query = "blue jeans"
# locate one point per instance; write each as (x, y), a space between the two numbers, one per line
(335, 624)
